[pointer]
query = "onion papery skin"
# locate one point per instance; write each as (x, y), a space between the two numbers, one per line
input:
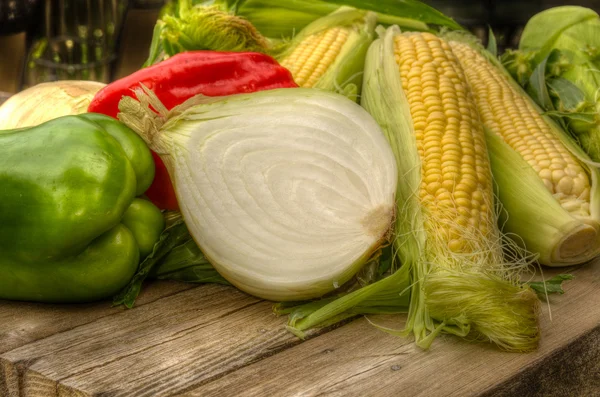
(47, 101)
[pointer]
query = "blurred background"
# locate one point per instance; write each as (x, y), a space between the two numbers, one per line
(44, 40)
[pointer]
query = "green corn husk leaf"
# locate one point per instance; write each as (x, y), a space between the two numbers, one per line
(172, 7)
(531, 215)
(492, 46)
(344, 75)
(389, 294)
(572, 99)
(203, 27)
(519, 63)
(565, 42)
(169, 8)
(406, 9)
(157, 51)
(545, 30)
(580, 49)
(565, 102)
(537, 86)
(492, 303)
(575, 113)
(577, 91)
(283, 19)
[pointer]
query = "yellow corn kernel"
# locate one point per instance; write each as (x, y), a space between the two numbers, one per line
(309, 61)
(455, 170)
(507, 113)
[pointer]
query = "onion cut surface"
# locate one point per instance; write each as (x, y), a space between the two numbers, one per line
(287, 192)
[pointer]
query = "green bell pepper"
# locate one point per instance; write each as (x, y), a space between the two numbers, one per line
(146, 222)
(65, 187)
(134, 146)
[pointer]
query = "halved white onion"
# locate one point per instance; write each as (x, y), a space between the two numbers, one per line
(287, 192)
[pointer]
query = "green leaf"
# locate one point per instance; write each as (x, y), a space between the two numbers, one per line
(519, 64)
(202, 25)
(553, 286)
(229, 5)
(188, 264)
(283, 19)
(385, 261)
(197, 274)
(391, 292)
(492, 46)
(586, 118)
(156, 53)
(568, 94)
(170, 238)
(175, 257)
(545, 28)
(409, 9)
(537, 88)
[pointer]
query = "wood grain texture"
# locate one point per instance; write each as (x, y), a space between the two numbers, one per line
(358, 360)
(214, 340)
(573, 370)
(18, 381)
(160, 348)
(22, 322)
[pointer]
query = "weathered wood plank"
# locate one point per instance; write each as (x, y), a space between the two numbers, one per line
(170, 345)
(214, 340)
(18, 381)
(358, 360)
(24, 322)
(573, 370)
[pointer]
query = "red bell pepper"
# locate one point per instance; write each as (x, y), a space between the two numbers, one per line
(185, 75)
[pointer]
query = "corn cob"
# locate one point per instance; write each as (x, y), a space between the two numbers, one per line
(511, 115)
(508, 113)
(456, 187)
(313, 56)
(446, 229)
(329, 53)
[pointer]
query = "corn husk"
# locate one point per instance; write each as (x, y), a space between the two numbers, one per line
(464, 294)
(284, 19)
(344, 74)
(531, 215)
(558, 64)
(476, 299)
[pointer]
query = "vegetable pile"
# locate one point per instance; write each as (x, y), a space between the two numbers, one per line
(336, 157)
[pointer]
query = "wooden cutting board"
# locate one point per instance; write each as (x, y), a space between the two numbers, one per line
(210, 340)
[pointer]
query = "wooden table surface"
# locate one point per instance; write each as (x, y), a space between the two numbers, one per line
(210, 340)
